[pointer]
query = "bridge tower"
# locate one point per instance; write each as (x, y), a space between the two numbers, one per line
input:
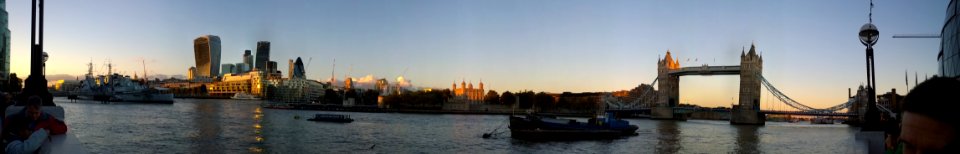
(669, 88)
(748, 109)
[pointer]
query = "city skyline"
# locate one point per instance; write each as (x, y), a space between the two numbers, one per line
(511, 46)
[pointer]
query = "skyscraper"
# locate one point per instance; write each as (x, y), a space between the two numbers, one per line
(263, 55)
(241, 68)
(191, 73)
(949, 56)
(228, 69)
(247, 60)
(297, 70)
(4, 43)
(271, 70)
(290, 68)
(206, 50)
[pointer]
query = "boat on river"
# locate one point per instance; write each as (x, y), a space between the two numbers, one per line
(331, 118)
(539, 127)
(119, 88)
(244, 96)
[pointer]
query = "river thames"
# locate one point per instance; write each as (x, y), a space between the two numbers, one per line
(235, 126)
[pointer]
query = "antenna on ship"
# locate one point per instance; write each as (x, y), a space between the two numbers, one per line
(145, 78)
(90, 68)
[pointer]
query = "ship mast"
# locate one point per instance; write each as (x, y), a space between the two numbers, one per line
(90, 68)
(144, 70)
(333, 70)
(109, 68)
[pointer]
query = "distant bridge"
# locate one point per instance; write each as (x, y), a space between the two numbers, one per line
(664, 104)
(646, 111)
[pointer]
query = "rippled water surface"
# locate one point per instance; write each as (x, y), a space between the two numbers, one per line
(234, 126)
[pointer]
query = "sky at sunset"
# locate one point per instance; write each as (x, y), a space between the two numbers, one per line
(810, 48)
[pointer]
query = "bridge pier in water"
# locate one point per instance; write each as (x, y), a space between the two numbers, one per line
(748, 109)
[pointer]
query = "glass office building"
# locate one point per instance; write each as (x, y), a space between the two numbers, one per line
(4, 43)
(949, 56)
(206, 50)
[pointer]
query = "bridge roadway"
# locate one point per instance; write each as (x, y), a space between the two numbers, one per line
(707, 70)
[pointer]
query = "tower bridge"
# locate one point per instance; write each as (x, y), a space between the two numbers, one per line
(665, 104)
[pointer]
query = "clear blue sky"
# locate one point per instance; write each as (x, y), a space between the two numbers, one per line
(810, 48)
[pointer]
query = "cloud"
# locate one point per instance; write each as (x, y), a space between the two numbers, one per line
(366, 79)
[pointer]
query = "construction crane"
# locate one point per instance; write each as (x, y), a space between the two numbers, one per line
(308, 63)
(306, 66)
(916, 36)
(404, 72)
(333, 70)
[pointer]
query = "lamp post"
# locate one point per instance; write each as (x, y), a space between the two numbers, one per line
(868, 36)
(36, 83)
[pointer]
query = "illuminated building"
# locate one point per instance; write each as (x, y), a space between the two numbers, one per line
(290, 68)
(250, 82)
(348, 83)
(206, 50)
(467, 92)
(66, 85)
(383, 86)
(191, 73)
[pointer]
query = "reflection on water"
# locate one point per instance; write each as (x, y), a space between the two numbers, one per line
(668, 140)
(747, 139)
(208, 133)
(257, 131)
(232, 126)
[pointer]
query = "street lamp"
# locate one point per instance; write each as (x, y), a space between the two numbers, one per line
(868, 37)
(869, 34)
(36, 83)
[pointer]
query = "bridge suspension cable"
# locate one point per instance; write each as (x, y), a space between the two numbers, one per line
(609, 100)
(797, 105)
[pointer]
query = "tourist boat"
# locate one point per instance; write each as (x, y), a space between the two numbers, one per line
(537, 127)
(331, 118)
(244, 96)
